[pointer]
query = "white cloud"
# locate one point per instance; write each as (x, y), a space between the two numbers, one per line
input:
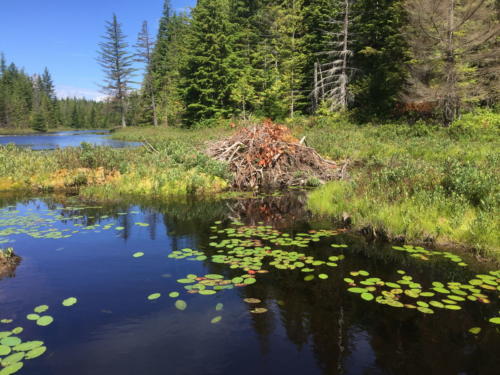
(79, 92)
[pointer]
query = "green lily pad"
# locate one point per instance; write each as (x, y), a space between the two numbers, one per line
(154, 296)
(207, 292)
(216, 320)
(250, 281)
(37, 352)
(495, 320)
(173, 294)
(309, 277)
(13, 358)
(17, 330)
(5, 334)
(367, 296)
(12, 369)
(357, 290)
(68, 302)
(180, 305)
(323, 276)
(138, 254)
(27, 346)
(475, 330)
(32, 316)
(219, 307)
(10, 341)
(5, 350)
(41, 309)
(45, 320)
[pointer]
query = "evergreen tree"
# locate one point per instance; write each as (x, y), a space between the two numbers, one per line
(116, 63)
(380, 57)
(144, 48)
(207, 74)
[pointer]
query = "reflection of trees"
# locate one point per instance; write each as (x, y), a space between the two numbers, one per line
(321, 315)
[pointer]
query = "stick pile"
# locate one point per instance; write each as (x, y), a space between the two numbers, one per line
(267, 155)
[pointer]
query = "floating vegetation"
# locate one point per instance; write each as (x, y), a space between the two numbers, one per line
(13, 350)
(180, 305)
(45, 320)
(68, 302)
(154, 296)
(423, 254)
(252, 300)
(41, 309)
(216, 320)
(139, 254)
(259, 310)
(407, 293)
(475, 330)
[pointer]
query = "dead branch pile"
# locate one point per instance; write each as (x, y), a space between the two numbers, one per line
(267, 155)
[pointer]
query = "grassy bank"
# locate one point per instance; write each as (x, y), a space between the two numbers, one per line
(418, 182)
(173, 169)
(413, 181)
(28, 131)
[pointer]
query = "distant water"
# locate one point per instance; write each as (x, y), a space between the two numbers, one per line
(52, 141)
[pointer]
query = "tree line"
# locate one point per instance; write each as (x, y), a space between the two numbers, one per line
(31, 102)
(283, 58)
(375, 59)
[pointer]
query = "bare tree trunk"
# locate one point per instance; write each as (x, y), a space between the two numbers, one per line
(153, 103)
(451, 101)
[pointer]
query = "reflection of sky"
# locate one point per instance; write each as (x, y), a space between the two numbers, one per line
(64, 139)
(362, 358)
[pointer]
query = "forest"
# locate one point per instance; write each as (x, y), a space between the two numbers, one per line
(388, 60)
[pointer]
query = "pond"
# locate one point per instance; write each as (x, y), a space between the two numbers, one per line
(232, 287)
(51, 141)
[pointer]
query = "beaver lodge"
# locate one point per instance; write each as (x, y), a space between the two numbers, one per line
(269, 156)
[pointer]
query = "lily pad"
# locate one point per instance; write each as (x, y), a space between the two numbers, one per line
(367, 296)
(17, 330)
(27, 346)
(45, 320)
(12, 369)
(37, 352)
(68, 302)
(10, 341)
(216, 320)
(173, 294)
(495, 320)
(180, 305)
(138, 254)
(32, 316)
(219, 307)
(41, 309)
(259, 310)
(323, 276)
(5, 350)
(475, 330)
(13, 358)
(154, 296)
(252, 300)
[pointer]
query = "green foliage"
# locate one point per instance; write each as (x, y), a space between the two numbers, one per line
(380, 57)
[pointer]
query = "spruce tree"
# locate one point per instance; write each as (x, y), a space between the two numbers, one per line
(116, 63)
(144, 53)
(207, 74)
(381, 56)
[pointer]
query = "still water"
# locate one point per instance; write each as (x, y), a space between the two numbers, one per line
(112, 257)
(51, 141)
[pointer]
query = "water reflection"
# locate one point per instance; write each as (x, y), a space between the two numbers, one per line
(311, 328)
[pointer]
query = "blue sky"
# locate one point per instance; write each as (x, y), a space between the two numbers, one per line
(63, 36)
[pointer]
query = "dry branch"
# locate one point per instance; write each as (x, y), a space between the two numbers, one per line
(267, 155)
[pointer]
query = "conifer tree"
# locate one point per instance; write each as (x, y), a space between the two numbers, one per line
(207, 74)
(380, 57)
(116, 63)
(144, 54)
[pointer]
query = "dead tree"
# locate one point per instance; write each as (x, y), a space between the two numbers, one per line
(331, 79)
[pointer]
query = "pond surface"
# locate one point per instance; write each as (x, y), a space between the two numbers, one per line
(243, 306)
(51, 141)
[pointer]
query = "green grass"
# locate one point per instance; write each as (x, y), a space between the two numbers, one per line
(420, 182)
(417, 181)
(28, 131)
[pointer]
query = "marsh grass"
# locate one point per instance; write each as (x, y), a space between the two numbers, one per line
(419, 181)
